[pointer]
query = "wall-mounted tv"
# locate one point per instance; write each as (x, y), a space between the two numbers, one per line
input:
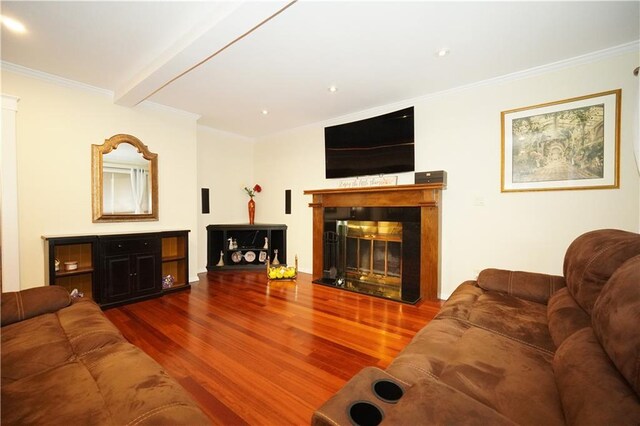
(377, 145)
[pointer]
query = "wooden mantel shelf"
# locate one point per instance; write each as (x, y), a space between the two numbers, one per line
(425, 196)
(377, 196)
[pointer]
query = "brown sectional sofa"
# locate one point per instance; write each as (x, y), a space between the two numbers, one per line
(65, 363)
(518, 348)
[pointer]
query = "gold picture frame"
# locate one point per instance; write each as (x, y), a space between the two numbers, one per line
(568, 144)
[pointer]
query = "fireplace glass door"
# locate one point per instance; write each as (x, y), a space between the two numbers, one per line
(371, 257)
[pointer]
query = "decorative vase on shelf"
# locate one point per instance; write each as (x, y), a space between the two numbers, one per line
(275, 258)
(252, 211)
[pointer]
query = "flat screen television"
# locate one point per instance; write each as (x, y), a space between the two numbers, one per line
(374, 146)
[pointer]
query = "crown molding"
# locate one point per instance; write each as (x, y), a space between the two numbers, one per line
(51, 78)
(587, 58)
(72, 84)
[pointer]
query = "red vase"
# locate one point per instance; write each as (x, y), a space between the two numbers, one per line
(252, 211)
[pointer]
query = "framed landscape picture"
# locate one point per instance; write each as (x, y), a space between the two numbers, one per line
(569, 144)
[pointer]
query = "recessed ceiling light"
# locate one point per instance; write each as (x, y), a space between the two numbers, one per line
(13, 25)
(442, 52)
(265, 112)
(333, 89)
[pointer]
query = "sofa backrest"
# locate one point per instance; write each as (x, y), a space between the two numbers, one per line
(25, 304)
(616, 320)
(591, 260)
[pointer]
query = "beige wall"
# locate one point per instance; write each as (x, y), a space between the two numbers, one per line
(225, 166)
(56, 126)
(459, 132)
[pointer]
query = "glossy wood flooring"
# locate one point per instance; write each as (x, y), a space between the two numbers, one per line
(267, 354)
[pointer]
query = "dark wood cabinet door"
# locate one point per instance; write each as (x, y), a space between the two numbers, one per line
(117, 275)
(146, 278)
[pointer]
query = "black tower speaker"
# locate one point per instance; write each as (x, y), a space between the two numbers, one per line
(205, 200)
(287, 201)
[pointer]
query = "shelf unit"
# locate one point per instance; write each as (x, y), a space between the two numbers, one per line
(249, 239)
(82, 249)
(175, 258)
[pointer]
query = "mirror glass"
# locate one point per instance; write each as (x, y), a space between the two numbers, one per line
(124, 180)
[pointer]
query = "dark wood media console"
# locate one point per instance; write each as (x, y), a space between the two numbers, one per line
(426, 197)
(114, 269)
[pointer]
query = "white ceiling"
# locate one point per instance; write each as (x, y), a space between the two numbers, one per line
(227, 61)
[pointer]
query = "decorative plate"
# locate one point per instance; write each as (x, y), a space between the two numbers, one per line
(236, 256)
(249, 256)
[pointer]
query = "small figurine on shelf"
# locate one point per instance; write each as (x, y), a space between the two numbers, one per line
(266, 243)
(167, 281)
(275, 258)
(221, 261)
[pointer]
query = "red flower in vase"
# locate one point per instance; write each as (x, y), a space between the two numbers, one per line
(253, 191)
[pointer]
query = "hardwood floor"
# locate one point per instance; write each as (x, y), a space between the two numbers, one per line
(256, 353)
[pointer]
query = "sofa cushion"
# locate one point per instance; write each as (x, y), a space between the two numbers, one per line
(592, 390)
(85, 330)
(515, 380)
(565, 316)
(526, 285)
(25, 304)
(616, 319)
(136, 390)
(61, 390)
(519, 319)
(429, 351)
(592, 258)
(32, 346)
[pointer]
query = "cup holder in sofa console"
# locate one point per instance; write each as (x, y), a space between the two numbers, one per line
(363, 413)
(387, 390)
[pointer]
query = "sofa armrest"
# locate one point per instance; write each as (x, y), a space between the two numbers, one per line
(25, 304)
(428, 401)
(526, 285)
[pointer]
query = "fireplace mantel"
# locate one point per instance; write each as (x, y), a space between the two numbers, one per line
(425, 196)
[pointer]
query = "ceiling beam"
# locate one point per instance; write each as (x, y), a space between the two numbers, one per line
(229, 23)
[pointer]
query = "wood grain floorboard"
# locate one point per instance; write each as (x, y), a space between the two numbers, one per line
(259, 353)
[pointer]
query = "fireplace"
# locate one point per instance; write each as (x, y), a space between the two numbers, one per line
(382, 241)
(373, 250)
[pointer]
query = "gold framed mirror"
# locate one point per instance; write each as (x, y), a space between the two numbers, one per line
(124, 180)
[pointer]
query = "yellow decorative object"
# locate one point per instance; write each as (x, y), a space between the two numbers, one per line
(282, 272)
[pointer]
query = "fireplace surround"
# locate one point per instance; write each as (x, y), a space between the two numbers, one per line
(383, 241)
